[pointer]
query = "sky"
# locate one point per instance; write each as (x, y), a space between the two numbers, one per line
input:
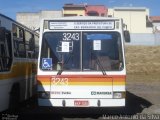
(11, 7)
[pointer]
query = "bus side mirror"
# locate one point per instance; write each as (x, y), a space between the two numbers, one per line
(127, 36)
(2, 33)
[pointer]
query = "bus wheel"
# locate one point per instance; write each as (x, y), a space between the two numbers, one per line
(14, 97)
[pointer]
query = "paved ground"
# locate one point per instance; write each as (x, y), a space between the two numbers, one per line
(142, 98)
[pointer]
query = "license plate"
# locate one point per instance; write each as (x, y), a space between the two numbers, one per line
(81, 103)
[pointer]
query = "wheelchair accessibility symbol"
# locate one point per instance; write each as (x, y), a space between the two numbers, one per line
(47, 63)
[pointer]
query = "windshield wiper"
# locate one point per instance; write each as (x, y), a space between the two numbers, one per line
(99, 64)
(62, 64)
(97, 61)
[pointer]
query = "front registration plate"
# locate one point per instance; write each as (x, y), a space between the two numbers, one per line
(81, 103)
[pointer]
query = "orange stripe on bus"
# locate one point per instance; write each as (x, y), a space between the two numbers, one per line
(87, 83)
(90, 83)
(84, 80)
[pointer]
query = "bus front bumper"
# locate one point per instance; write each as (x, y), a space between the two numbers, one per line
(82, 102)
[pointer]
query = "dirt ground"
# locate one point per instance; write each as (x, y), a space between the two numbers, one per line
(143, 74)
(143, 60)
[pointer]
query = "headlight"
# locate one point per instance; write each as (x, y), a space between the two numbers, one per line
(44, 95)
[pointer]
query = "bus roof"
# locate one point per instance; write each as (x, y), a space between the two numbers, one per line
(6, 17)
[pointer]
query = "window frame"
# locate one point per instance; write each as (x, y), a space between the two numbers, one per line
(18, 34)
(81, 49)
(7, 57)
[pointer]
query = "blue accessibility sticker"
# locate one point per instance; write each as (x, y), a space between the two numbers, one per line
(47, 63)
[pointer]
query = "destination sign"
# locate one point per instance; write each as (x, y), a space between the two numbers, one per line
(81, 25)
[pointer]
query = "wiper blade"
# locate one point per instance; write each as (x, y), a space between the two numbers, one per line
(59, 72)
(99, 64)
(62, 64)
(59, 68)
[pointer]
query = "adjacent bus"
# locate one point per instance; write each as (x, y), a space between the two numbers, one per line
(81, 62)
(18, 62)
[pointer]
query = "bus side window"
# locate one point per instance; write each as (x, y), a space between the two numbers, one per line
(36, 45)
(5, 50)
(14, 30)
(19, 41)
(30, 44)
(15, 41)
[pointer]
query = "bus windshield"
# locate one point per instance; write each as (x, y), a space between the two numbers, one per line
(81, 51)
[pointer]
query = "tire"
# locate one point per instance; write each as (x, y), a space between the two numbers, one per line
(14, 97)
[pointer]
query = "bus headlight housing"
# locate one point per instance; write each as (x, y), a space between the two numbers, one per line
(119, 95)
(44, 95)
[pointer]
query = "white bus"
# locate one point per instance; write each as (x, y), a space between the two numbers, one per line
(81, 62)
(18, 62)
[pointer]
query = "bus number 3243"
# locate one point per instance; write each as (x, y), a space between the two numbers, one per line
(70, 36)
(59, 81)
